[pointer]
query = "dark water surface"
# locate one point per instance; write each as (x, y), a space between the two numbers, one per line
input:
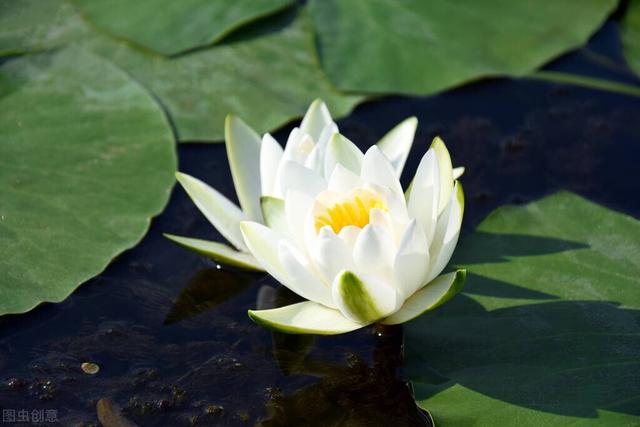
(169, 329)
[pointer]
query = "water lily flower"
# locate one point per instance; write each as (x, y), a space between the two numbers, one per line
(260, 167)
(354, 245)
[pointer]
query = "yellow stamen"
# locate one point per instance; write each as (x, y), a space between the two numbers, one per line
(352, 210)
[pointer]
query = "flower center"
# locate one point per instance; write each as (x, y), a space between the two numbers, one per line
(351, 210)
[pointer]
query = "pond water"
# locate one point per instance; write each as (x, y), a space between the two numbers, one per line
(168, 328)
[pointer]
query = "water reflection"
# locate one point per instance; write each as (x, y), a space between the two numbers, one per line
(351, 392)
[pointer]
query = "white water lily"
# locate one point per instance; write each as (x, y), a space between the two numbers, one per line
(262, 170)
(352, 244)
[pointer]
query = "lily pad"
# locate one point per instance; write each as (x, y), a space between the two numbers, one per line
(175, 26)
(34, 25)
(267, 75)
(86, 159)
(267, 78)
(422, 47)
(630, 34)
(548, 331)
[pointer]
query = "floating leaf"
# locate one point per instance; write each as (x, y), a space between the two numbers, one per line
(169, 26)
(86, 158)
(630, 34)
(267, 75)
(558, 348)
(33, 25)
(421, 47)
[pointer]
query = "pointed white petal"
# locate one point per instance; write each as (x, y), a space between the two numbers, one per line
(243, 152)
(315, 119)
(377, 169)
(219, 252)
(297, 206)
(411, 265)
(270, 156)
(349, 235)
(263, 244)
(363, 299)
(343, 180)
(299, 178)
(374, 252)
(327, 133)
(220, 211)
(446, 172)
(382, 221)
(305, 318)
(447, 232)
(437, 292)
(303, 280)
(332, 255)
(425, 194)
(273, 213)
(458, 172)
(342, 151)
(396, 144)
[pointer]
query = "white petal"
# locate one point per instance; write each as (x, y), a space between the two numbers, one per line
(327, 133)
(425, 193)
(447, 232)
(305, 318)
(297, 206)
(307, 284)
(411, 265)
(349, 235)
(219, 252)
(332, 255)
(243, 152)
(316, 159)
(270, 156)
(377, 169)
(364, 299)
(343, 180)
(221, 213)
(439, 291)
(396, 144)
(458, 172)
(274, 215)
(374, 252)
(296, 177)
(264, 244)
(315, 119)
(446, 172)
(342, 151)
(382, 221)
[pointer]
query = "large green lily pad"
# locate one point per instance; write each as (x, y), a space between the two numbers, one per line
(86, 158)
(267, 75)
(422, 47)
(548, 330)
(630, 34)
(169, 26)
(33, 25)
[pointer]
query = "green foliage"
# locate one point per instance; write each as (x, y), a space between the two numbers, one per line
(170, 27)
(548, 331)
(423, 47)
(631, 35)
(86, 158)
